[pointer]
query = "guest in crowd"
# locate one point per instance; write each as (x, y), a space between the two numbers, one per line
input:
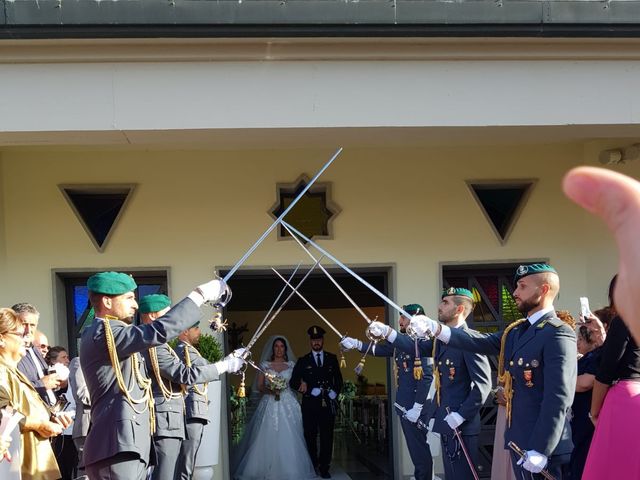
(63, 445)
(590, 337)
(38, 461)
(615, 406)
(33, 365)
(80, 429)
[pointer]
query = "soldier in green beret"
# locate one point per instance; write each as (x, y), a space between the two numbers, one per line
(196, 403)
(462, 380)
(119, 446)
(169, 378)
(540, 365)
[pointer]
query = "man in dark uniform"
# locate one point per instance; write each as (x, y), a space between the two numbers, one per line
(196, 403)
(118, 445)
(317, 376)
(540, 357)
(413, 383)
(168, 374)
(462, 380)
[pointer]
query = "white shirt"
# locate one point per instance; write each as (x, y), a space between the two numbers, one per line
(315, 357)
(50, 395)
(539, 314)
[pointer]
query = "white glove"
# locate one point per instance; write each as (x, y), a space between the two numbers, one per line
(413, 413)
(533, 461)
(332, 395)
(211, 291)
(348, 343)
(315, 392)
(240, 352)
(379, 329)
(423, 325)
(231, 363)
(454, 420)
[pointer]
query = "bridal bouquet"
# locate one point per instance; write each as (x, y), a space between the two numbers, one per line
(277, 384)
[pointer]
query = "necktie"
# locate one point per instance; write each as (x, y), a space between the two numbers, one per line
(318, 361)
(525, 325)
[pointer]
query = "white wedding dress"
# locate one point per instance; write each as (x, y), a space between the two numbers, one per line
(273, 446)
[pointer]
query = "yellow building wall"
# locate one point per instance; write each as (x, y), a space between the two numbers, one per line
(194, 211)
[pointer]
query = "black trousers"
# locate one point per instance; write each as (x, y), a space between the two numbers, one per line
(418, 450)
(318, 419)
(66, 455)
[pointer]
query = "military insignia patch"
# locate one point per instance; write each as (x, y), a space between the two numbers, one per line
(451, 291)
(522, 269)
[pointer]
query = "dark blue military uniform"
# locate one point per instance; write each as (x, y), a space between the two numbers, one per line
(541, 359)
(410, 391)
(465, 383)
(318, 413)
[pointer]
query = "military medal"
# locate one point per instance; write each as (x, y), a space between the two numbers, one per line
(534, 363)
(452, 372)
(520, 362)
(528, 376)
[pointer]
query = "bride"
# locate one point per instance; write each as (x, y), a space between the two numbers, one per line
(273, 445)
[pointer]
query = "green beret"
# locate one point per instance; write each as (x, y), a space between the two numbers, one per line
(526, 270)
(413, 309)
(458, 292)
(111, 283)
(153, 303)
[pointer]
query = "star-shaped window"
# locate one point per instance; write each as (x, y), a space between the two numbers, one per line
(313, 214)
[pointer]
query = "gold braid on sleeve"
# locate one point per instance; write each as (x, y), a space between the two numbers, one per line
(143, 383)
(187, 361)
(166, 389)
(436, 371)
(504, 378)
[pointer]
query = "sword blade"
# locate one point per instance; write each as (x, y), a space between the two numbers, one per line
(282, 305)
(315, 310)
(333, 280)
(284, 289)
(348, 270)
(279, 219)
(456, 432)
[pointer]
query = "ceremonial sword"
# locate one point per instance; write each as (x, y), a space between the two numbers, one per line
(280, 218)
(523, 455)
(282, 305)
(273, 305)
(419, 423)
(334, 281)
(347, 269)
(456, 432)
(315, 310)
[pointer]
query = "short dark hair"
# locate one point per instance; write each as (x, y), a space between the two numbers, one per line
(24, 307)
(52, 355)
(466, 302)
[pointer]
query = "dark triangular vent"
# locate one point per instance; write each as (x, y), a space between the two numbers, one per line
(501, 202)
(98, 208)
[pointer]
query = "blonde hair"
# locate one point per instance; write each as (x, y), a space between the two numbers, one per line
(9, 320)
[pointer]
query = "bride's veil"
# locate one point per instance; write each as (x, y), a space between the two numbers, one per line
(267, 351)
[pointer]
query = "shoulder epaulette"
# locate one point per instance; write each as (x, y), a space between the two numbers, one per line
(554, 322)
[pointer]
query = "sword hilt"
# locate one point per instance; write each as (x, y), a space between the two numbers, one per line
(544, 472)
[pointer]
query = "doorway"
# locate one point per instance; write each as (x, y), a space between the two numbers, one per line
(363, 443)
